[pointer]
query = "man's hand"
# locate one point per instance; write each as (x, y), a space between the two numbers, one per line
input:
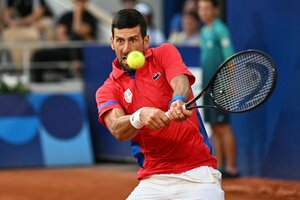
(154, 118)
(177, 112)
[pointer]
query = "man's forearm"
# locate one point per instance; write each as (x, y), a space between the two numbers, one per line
(181, 86)
(122, 128)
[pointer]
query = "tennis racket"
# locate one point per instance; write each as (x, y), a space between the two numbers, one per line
(242, 82)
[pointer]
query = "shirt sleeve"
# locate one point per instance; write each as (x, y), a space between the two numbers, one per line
(106, 99)
(225, 42)
(170, 60)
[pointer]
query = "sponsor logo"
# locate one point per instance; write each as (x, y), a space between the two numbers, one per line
(156, 76)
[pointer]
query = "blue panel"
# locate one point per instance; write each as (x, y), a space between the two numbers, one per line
(61, 116)
(15, 105)
(22, 155)
(190, 55)
(65, 135)
(283, 160)
(74, 151)
(18, 130)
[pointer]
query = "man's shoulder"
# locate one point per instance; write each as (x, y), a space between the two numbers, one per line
(164, 48)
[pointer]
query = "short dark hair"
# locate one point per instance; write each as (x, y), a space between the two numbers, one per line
(215, 3)
(129, 18)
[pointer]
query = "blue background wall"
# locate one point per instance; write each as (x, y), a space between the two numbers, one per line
(269, 138)
(44, 130)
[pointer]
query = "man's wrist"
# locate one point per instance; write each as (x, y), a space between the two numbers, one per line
(177, 97)
(135, 120)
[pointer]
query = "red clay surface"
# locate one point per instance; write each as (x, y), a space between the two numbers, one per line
(111, 182)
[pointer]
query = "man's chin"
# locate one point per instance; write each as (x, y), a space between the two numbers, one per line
(125, 66)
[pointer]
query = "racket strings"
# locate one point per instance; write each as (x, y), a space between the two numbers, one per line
(244, 82)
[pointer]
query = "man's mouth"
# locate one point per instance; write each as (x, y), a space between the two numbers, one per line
(124, 59)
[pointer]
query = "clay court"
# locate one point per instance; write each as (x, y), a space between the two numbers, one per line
(116, 181)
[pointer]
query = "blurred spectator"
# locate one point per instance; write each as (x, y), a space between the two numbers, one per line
(156, 35)
(215, 48)
(176, 21)
(128, 4)
(26, 21)
(33, 14)
(75, 25)
(190, 34)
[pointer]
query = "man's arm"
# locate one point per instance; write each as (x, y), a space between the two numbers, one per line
(181, 87)
(119, 124)
(121, 128)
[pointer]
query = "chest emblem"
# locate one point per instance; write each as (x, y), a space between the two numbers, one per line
(128, 96)
(156, 76)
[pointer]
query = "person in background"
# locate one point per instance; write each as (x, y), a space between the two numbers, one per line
(75, 25)
(156, 35)
(215, 48)
(26, 21)
(176, 21)
(190, 34)
(29, 13)
(128, 4)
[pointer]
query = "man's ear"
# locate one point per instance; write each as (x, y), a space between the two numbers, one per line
(111, 40)
(146, 42)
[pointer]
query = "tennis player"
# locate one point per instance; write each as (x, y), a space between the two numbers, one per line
(173, 152)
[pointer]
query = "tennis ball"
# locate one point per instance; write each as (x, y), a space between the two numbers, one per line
(135, 60)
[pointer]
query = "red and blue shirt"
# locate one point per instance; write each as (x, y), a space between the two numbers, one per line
(173, 149)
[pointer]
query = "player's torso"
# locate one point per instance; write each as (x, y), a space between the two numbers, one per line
(147, 88)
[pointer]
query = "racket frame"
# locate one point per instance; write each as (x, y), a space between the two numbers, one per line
(209, 84)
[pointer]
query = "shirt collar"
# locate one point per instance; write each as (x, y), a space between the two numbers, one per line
(117, 70)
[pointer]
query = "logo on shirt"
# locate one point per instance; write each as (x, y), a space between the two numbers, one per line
(156, 76)
(128, 96)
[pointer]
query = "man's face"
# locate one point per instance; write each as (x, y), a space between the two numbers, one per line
(206, 11)
(127, 40)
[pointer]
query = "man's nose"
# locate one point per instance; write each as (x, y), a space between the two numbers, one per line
(126, 48)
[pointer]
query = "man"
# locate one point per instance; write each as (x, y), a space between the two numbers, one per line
(173, 152)
(75, 25)
(215, 48)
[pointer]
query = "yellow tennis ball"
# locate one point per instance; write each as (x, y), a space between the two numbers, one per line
(135, 60)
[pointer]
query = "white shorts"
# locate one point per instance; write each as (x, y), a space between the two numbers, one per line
(202, 183)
